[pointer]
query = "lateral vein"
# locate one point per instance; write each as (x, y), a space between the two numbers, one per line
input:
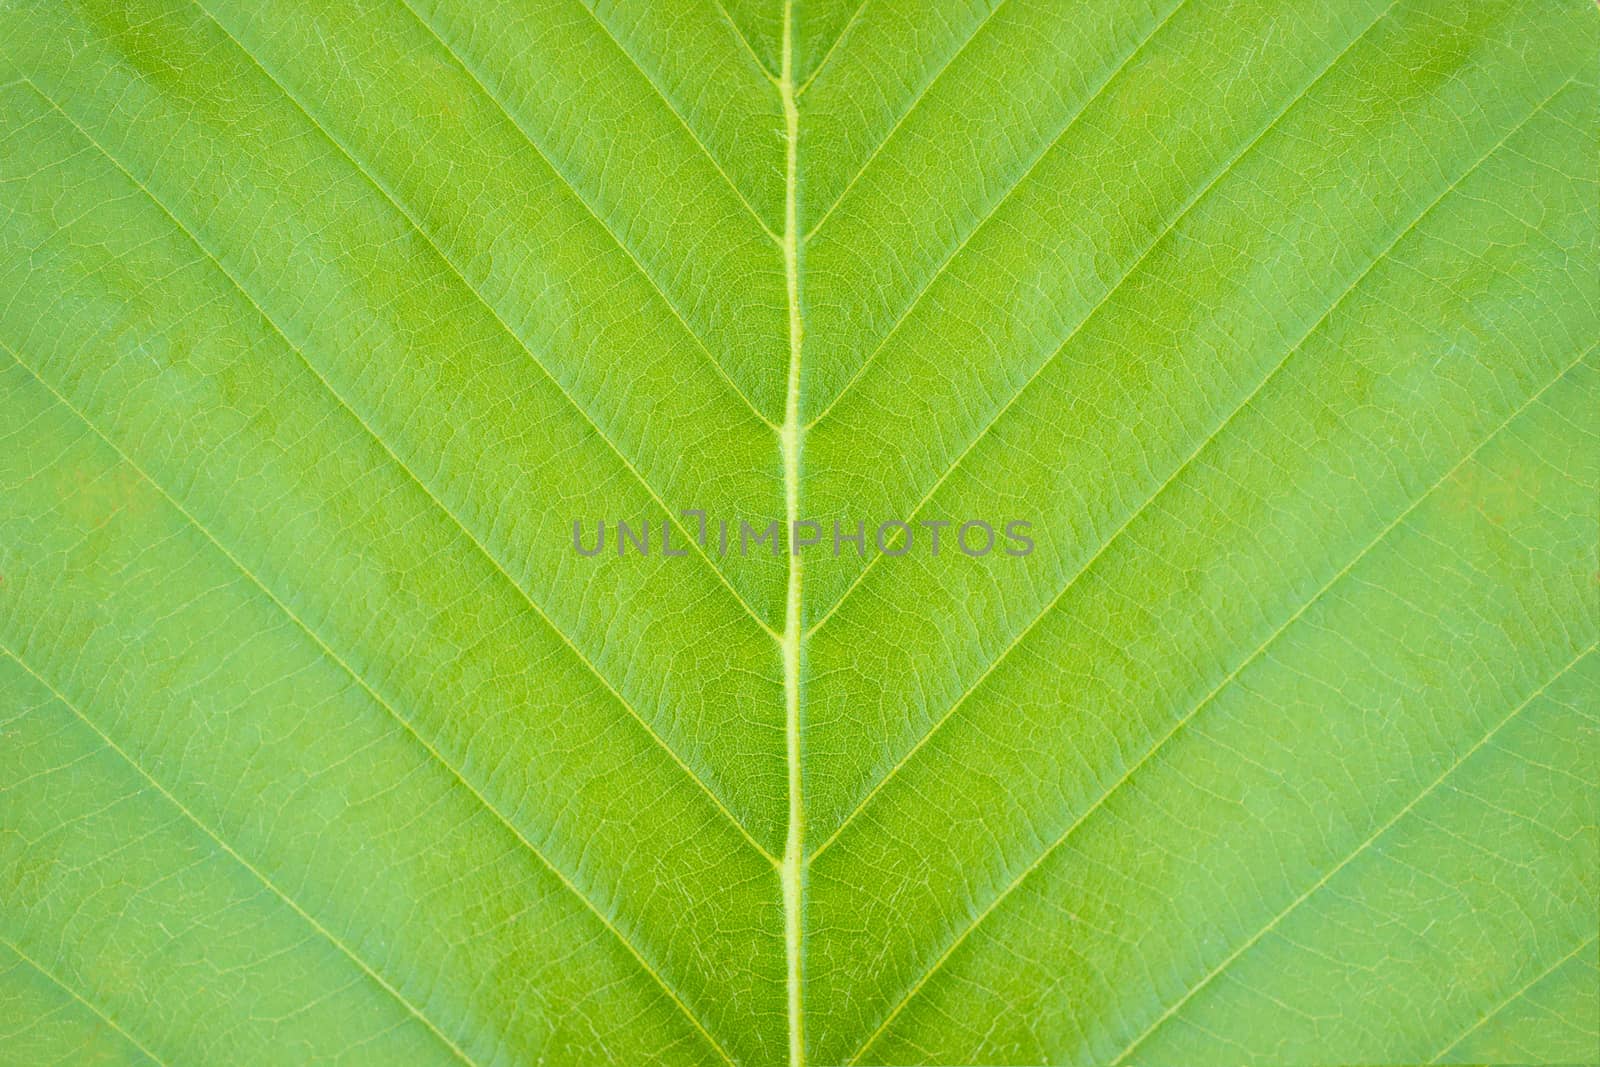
(416, 226)
(1189, 205)
(63, 986)
(404, 723)
(447, 511)
(1376, 835)
(1188, 716)
(665, 99)
(294, 906)
(572, 187)
(983, 220)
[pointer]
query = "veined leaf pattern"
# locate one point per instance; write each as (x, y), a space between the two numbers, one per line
(323, 323)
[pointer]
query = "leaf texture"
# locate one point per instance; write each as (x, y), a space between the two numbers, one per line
(322, 322)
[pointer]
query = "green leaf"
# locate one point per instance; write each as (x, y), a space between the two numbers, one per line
(322, 323)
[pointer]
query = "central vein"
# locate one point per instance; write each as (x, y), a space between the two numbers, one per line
(792, 438)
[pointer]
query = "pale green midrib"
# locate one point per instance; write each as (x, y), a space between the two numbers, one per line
(1172, 478)
(261, 877)
(792, 873)
(394, 202)
(1172, 731)
(94, 1009)
(792, 436)
(405, 724)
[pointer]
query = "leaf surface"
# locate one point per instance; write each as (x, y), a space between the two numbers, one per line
(322, 323)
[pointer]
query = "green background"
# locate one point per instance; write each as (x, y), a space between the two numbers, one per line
(321, 322)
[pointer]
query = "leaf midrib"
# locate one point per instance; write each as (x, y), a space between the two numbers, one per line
(793, 870)
(792, 434)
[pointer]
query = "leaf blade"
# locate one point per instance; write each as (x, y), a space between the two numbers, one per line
(322, 322)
